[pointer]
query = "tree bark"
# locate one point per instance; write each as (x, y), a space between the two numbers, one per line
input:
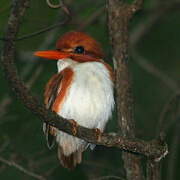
(119, 14)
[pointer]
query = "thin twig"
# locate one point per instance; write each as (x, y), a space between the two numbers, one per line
(140, 31)
(154, 16)
(150, 68)
(171, 107)
(20, 168)
(53, 5)
(153, 168)
(46, 29)
(49, 28)
(35, 76)
(60, 5)
(91, 19)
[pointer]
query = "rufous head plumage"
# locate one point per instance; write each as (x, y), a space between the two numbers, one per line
(76, 45)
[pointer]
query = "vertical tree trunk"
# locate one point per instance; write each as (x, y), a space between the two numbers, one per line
(119, 15)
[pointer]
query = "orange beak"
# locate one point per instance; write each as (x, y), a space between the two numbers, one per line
(52, 54)
(57, 55)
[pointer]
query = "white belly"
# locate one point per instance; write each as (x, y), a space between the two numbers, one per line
(89, 100)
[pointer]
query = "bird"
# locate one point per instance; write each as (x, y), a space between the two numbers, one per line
(82, 90)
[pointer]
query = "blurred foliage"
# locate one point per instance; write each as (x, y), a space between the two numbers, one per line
(22, 131)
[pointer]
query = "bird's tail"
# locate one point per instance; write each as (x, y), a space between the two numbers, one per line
(70, 161)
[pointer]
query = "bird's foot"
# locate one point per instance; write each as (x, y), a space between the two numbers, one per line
(74, 126)
(97, 133)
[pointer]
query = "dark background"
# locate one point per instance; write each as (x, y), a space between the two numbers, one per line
(154, 66)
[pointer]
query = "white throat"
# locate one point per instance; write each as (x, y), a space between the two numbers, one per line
(63, 63)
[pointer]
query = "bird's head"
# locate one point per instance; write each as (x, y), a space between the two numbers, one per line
(77, 46)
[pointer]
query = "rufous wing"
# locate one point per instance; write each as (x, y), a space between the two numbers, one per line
(54, 93)
(51, 92)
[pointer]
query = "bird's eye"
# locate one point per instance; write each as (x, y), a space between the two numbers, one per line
(79, 50)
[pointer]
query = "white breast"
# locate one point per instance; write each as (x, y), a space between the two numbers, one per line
(89, 100)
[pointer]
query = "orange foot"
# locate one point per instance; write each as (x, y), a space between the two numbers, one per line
(74, 126)
(98, 133)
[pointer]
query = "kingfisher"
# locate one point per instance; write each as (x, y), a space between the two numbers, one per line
(81, 90)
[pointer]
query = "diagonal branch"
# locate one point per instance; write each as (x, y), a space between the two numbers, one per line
(153, 149)
(22, 169)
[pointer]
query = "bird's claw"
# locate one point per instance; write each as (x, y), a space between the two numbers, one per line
(97, 133)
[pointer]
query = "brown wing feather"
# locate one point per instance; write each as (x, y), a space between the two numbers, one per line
(52, 100)
(50, 95)
(51, 90)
